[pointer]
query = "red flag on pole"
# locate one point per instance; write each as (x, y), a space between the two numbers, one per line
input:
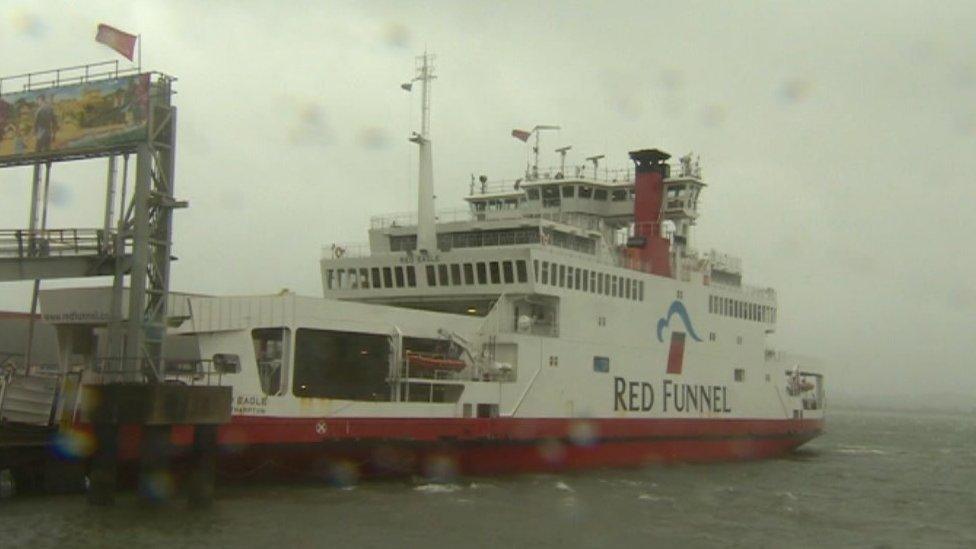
(122, 42)
(521, 134)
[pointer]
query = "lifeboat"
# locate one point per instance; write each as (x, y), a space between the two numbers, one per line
(435, 363)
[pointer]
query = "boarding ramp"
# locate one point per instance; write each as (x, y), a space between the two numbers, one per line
(27, 398)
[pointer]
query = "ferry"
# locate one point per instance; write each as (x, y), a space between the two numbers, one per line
(561, 320)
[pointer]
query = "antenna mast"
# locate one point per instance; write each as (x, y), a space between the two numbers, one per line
(426, 232)
(535, 150)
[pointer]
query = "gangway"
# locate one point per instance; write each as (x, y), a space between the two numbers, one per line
(58, 253)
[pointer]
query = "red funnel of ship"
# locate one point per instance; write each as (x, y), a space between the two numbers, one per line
(652, 247)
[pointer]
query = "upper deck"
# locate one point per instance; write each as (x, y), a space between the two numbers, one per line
(515, 233)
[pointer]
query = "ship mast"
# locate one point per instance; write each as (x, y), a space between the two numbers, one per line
(426, 233)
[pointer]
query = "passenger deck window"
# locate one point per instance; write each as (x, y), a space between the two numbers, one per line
(545, 272)
(411, 276)
(377, 282)
(431, 276)
(442, 275)
(520, 271)
(387, 277)
(399, 277)
(468, 274)
(482, 273)
(364, 278)
(535, 270)
(455, 274)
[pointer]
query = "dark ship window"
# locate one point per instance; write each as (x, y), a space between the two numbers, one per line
(341, 365)
(271, 355)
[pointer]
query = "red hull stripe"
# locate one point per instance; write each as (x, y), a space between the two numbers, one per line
(246, 431)
(290, 430)
(337, 460)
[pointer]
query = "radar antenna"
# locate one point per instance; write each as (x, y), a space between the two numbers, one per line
(596, 162)
(562, 158)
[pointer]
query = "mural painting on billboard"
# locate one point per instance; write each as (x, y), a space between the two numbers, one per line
(93, 116)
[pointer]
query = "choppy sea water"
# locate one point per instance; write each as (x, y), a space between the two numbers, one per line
(876, 479)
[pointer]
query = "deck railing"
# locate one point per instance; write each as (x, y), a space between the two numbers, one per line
(22, 243)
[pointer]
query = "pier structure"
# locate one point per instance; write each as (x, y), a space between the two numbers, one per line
(124, 117)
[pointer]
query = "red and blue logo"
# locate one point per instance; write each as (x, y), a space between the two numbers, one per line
(676, 353)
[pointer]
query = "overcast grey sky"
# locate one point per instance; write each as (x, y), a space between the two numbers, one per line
(837, 139)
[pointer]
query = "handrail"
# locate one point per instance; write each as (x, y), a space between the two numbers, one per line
(25, 243)
(189, 372)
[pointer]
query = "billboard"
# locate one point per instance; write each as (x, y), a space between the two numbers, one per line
(89, 117)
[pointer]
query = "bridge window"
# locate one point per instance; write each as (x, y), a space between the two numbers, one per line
(600, 194)
(521, 271)
(568, 191)
(271, 347)
(341, 365)
(533, 194)
(569, 278)
(468, 274)
(535, 269)
(576, 278)
(618, 195)
(495, 272)
(550, 196)
(586, 280)
(545, 272)
(562, 276)
(507, 272)
(585, 192)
